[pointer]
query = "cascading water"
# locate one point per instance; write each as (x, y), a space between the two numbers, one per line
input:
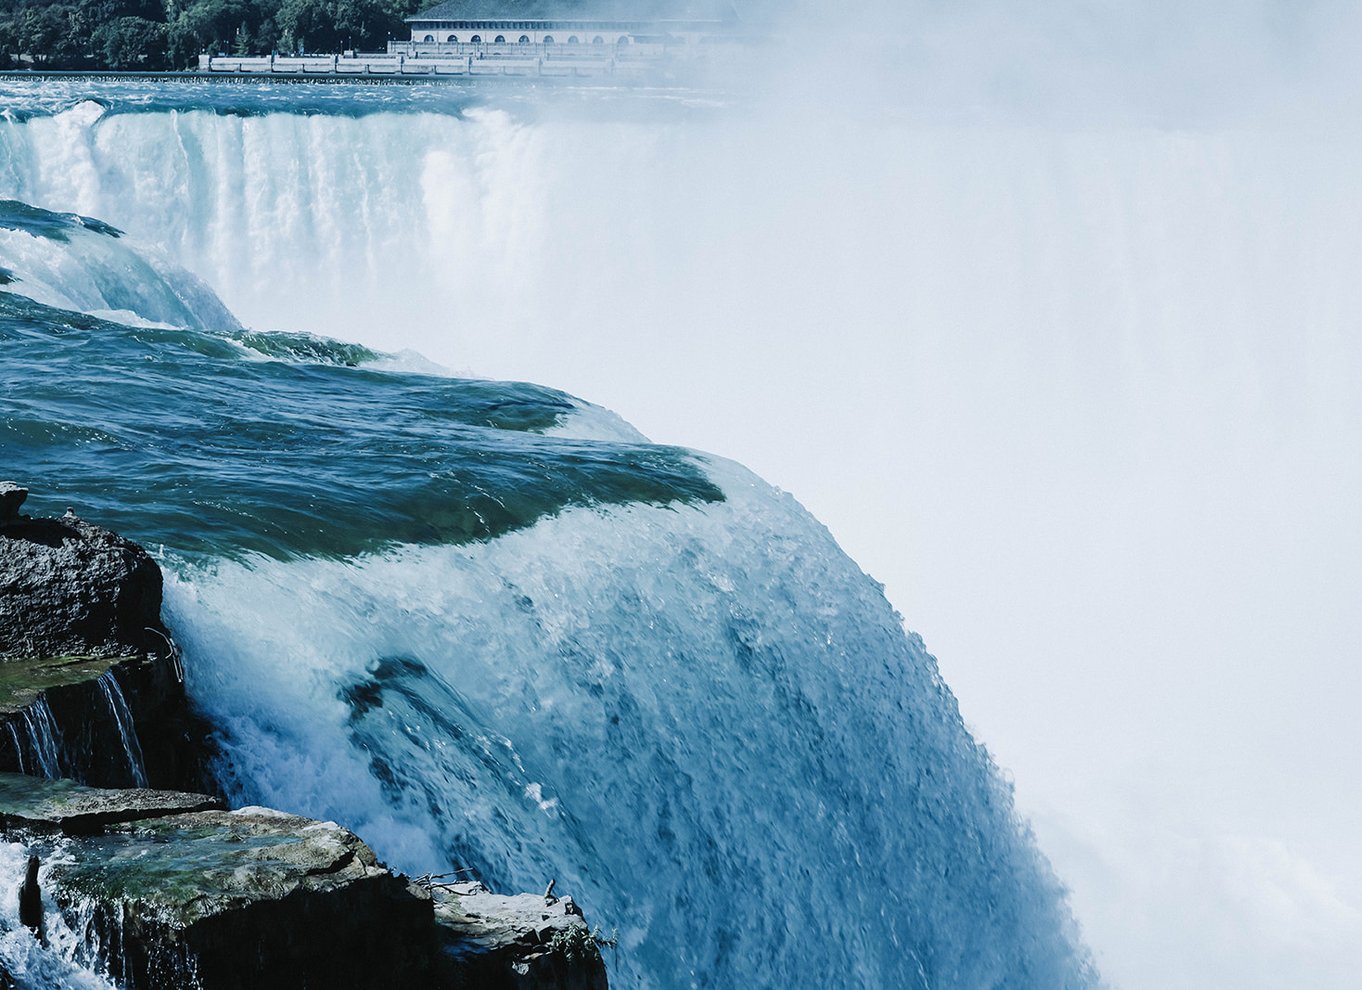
(66, 958)
(127, 732)
(482, 623)
(39, 744)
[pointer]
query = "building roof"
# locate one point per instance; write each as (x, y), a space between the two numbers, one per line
(578, 10)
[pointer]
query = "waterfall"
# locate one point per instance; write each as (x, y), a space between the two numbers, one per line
(127, 732)
(41, 740)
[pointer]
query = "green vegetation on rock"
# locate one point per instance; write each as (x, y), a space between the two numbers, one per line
(22, 681)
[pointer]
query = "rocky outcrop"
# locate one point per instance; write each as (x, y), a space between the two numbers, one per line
(520, 942)
(246, 899)
(180, 895)
(90, 681)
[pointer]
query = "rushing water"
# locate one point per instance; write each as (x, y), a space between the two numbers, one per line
(486, 624)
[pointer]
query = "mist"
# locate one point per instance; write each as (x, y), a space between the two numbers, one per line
(1049, 313)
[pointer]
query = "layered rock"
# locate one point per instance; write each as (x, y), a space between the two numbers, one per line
(246, 899)
(70, 808)
(179, 894)
(90, 682)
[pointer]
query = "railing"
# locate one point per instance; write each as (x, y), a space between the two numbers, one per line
(453, 60)
(562, 49)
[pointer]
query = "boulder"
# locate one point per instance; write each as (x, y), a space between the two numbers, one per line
(514, 942)
(68, 587)
(252, 898)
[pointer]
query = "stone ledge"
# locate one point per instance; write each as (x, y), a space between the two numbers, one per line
(70, 808)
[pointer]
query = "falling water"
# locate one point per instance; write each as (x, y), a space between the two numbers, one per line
(42, 739)
(122, 716)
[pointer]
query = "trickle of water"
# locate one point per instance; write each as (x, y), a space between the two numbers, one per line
(44, 740)
(122, 716)
(18, 746)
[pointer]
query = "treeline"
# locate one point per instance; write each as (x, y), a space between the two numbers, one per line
(170, 34)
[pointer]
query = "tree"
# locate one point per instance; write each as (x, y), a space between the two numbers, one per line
(131, 43)
(332, 25)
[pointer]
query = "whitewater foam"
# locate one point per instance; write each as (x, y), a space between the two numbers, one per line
(705, 722)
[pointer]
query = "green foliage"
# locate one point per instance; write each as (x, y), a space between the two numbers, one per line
(335, 25)
(578, 944)
(159, 34)
(131, 43)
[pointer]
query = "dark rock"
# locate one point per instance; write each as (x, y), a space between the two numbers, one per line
(246, 899)
(71, 588)
(11, 498)
(498, 942)
(31, 899)
(65, 806)
(176, 899)
(80, 636)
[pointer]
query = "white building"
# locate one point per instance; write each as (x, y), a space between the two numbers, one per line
(568, 26)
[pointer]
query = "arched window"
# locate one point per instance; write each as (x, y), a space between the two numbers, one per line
(499, 39)
(548, 39)
(453, 39)
(476, 39)
(598, 40)
(572, 40)
(624, 40)
(429, 37)
(524, 39)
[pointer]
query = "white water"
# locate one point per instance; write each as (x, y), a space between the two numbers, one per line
(64, 961)
(127, 732)
(1079, 383)
(704, 722)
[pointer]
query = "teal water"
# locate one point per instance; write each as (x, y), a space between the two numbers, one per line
(286, 446)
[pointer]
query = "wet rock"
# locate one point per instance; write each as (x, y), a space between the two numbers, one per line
(246, 899)
(68, 587)
(183, 899)
(11, 498)
(80, 638)
(69, 807)
(31, 899)
(518, 942)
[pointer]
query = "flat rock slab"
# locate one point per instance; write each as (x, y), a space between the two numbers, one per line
(252, 899)
(22, 682)
(65, 806)
(190, 866)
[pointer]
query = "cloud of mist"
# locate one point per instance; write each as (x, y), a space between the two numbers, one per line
(1162, 62)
